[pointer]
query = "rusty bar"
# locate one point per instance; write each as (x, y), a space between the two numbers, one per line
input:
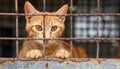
(44, 5)
(102, 3)
(98, 29)
(13, 38)
(16, 10)
(2, 60)
(78, 14)
(71, 26)
(44, 24)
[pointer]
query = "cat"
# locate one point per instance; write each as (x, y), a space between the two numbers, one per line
(54, 28)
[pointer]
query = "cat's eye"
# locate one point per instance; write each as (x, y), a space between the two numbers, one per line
(38, 28)
(54, 28)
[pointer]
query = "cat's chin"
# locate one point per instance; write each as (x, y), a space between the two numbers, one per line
(41, 42)
(46, 42)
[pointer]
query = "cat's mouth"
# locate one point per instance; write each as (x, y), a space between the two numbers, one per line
(47, 41)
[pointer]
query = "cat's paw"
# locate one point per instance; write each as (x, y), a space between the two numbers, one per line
(34, 54)
(62, 53)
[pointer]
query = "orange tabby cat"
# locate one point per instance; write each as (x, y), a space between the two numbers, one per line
(54, 27)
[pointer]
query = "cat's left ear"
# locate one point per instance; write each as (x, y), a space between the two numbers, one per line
(29, 9)
(62, 11)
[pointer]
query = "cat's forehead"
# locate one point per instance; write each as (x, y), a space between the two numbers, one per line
(50, 20)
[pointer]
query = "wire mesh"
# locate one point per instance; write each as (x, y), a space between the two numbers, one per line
(72, 15)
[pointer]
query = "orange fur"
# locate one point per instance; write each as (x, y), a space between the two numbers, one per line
(54, 27)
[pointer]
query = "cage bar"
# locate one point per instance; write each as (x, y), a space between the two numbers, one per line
(16, 10)
(13, 38)
(84, 14)
(71, 25)
(44, 9)
(98, 28)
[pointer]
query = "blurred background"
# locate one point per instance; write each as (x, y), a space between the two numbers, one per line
(83, 26)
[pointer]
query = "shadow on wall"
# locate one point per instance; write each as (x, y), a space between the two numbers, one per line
(7, 47)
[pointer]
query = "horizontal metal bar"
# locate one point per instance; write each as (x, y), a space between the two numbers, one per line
(13, 38)
(87, 14)
(56, 59)
(101, 3)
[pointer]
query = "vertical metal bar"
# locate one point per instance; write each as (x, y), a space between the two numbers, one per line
(44, 9)
(44, 5)
(71, 26)
(16, 10)
(98, 28)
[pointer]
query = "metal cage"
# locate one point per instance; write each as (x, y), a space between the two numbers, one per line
(94, 62)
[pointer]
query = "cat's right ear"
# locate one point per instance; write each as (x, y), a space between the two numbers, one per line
(62, 11)
(29, 10)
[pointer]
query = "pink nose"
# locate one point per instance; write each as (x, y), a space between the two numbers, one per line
(46, 41)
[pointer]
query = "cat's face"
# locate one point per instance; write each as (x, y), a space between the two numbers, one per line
(48, 26)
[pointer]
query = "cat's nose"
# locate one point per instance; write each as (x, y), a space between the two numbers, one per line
(46, 41)
(47, 34)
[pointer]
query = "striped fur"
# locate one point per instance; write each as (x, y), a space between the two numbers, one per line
(54, 27)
